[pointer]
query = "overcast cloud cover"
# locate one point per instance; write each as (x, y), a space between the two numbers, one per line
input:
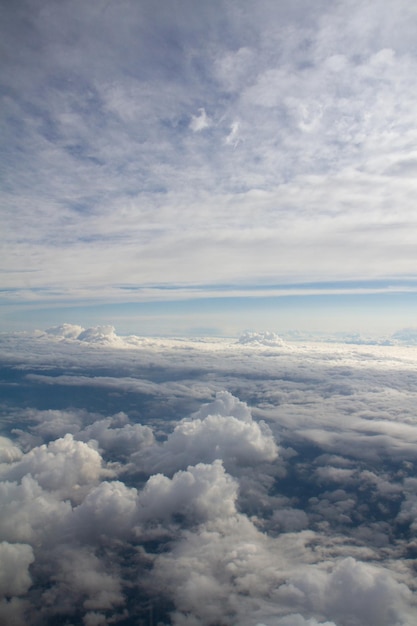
(198, 483)
(155, 151)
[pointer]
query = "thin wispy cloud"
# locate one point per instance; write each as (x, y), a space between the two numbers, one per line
(222, 144)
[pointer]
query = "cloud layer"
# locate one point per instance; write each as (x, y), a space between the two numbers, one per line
(214, 147)
(258, 482)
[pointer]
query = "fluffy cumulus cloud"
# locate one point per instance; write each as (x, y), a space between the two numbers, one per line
(354, 591)
(265, 338)
(94, 335)
(116, 436)
(249, 483)
(108, 511)
(201, 492)
(223, 429)
(8, 451)
(29, 513)
(64, 465)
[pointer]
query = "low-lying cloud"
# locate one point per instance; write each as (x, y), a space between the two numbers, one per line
(200, 483)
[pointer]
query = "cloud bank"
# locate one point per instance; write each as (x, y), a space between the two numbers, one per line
(252, 482)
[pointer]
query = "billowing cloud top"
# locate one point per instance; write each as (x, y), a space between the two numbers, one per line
(222, 429)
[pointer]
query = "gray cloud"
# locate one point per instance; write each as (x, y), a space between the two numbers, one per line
(15, 559)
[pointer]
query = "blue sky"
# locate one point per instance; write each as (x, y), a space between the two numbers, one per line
(184, 166)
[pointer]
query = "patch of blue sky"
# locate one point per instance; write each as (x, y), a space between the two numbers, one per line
(374, 313)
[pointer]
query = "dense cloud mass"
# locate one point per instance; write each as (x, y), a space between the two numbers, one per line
(222, 429)
(196, 483)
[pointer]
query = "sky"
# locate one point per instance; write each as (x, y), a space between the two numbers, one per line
(206, 168)
(197, 482)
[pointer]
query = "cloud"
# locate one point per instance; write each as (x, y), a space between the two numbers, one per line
(15, 558)
(218, 571)
(407, 336)
(13, 612)
(233, 69)
(288, 499)
(112, 148)
(203, 492)
(265, 338)
(290, 519)
(116, 437)
(8, 451)
(29, 513)
(408, 512)
(53, 424)
(224, 430)
(65, 331)
(108, 511)
(233, 137)
(200, 122)
(296, 620)
(353, 591)
(90, 585)
(103, 335)
(65, 466)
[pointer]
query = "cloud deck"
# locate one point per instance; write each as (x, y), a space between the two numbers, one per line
(250, 482)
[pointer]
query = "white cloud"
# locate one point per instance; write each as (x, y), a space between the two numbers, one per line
(233, 136)
(8, 451)
(53, 424)
(234, 68)
(217, 572)
(203, 492)
(30, 514)
(102, 335)
(66, 331)
(109, 511)
(370, 594)
(65, 466)
(224, 430)
(200, 122)
(353, 592)
(265, 338)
